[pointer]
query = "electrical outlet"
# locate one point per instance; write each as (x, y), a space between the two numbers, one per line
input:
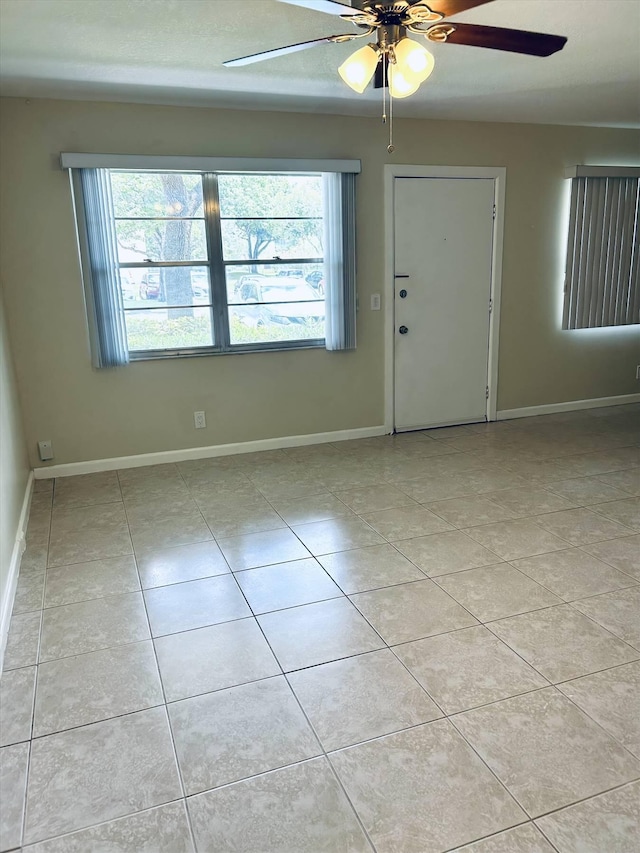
(375, 301)
(45, 449)
(200, 420)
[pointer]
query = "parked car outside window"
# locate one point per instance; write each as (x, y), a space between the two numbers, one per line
(262, 301)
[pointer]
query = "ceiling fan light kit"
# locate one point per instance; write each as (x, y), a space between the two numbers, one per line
(405, 63)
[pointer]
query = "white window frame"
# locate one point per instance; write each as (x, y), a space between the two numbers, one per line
(209, 168)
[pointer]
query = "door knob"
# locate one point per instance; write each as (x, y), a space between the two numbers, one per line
(403, 330)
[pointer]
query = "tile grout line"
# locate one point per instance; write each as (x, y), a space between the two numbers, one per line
(164, 696)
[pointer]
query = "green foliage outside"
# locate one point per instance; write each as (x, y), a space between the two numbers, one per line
(186, 332)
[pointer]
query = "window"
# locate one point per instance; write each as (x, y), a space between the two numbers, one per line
(188, 262)
(601, 279)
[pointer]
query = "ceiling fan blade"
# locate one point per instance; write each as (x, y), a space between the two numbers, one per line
(452, 7)
(278, 51)
(499, 38)
(331, 7)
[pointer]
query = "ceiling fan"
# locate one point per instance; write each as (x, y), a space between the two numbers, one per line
(394, 59)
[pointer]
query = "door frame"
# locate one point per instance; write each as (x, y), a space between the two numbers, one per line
(391, 172)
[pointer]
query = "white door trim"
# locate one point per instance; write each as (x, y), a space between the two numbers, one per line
(391, 172)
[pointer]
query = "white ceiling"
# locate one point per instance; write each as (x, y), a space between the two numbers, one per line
(170, 51)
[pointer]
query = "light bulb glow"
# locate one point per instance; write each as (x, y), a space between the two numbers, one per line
(413, 60)
(399, 86)
(359, 68)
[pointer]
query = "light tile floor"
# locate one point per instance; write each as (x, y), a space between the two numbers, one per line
(411, 644)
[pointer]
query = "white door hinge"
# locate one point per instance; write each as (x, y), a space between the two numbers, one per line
(494, 211)
(487, 393)
(490, 305)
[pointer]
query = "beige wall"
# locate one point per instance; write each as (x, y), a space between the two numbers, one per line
(149, 406)
(14, 468)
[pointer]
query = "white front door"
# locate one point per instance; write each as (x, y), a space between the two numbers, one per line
(443, 247)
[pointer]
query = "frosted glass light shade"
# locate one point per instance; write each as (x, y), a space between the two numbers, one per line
(413, 60)
(359, 68)
(399, 86)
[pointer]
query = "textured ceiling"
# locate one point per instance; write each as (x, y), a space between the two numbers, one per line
(170, 51)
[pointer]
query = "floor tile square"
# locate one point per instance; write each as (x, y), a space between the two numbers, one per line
(627, 481)
(87, 489)
(151, 481)
(99, 772)
(581, 526)
(17, 691)
(443, 553)
(583, 491)
(546, 751)
(184, 563)
(612, 699)
(22, 641)
(318, 633)
(252, 516)
(362, 697)
(81, 534)
(608, 822)
(213, 658)
(530, 501)
(301, 809)
(194, 604)
(573, 574)
(411, 610)
(163, 829)
(436, 487)
(375, 498)
(494, 592)
(262, 549)
(157, 526)
(286, 585)
(304, 510)
(470, 511)
(83, 689)
(337, 534)
(369, 568)
(29, 593)
(14, 762)
(406, 522)
(423, 790)
(520, 538)
(623, 554)
(618, 612)
(464, 669)
(232, 734)
(84, 581)
(561, 643)
(523, 839)
(625, 512)
(88, 626)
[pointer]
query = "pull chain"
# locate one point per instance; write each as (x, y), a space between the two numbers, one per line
(384, 88)
(390, 146)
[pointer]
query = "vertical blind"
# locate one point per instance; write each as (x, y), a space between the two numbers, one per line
(601, 277)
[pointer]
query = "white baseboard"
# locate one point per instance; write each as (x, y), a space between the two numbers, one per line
(14, 567)
(570, 406)
(94, 465)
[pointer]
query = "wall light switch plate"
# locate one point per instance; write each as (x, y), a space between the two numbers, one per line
(375, 301)
(200, 420)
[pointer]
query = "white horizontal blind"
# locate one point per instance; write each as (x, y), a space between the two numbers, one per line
(601, 278)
